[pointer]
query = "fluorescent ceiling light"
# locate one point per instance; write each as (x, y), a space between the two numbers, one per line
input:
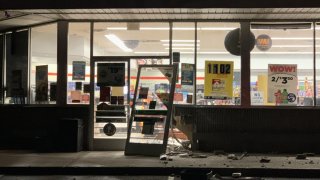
(281, 52)
(292, 38)
(179, 40)
(191, 45)
(291, 46)
(118, 42)
(182, 48)
(178, 28)
(218, 28)
(151, 52)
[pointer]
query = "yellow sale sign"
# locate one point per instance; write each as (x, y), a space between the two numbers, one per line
(218, 82)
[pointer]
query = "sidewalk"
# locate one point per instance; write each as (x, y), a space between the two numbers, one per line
(115, 163)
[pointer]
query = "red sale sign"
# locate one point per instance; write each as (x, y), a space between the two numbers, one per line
(282, 84)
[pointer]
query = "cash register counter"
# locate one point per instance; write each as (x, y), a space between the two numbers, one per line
(254, 129)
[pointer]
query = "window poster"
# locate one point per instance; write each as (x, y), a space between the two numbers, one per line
(218, 81)
(78, 70)
(111, 74)
(187, 74)
(282, 84)
(42, 83)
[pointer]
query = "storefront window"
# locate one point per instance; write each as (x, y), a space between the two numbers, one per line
(183, 42)
(1, 67)
(78, 87)
(16, 85)
(317, 64)
(282, 64)
(130, 39)
(43, 70)
(220, 85)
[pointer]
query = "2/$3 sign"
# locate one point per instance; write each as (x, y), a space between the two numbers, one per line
(282, 84)
(218, 80)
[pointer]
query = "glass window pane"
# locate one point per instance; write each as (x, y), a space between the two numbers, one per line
(17, 67)
(183, 41)
(130, 39)
(211, 38)
(44, 53)
(79, 62)
(282, 73)
(317, 65)
(1, 67)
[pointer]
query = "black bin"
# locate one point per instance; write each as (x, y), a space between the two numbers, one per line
(70, 135)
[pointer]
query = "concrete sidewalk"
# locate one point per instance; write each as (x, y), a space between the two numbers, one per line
(115, 163)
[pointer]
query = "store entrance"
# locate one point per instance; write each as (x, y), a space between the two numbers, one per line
(110, 102)
(112, 90)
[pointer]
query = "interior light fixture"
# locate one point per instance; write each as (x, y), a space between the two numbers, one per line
(150, 52)
(191, 45)
(179, 40)
(182, 48)
(292, 38)
(178, 28)
(118, 42)
(291, 46)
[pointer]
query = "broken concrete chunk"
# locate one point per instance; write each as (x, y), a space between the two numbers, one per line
(199, 156)
(232, 156)
(236, 174)
(301, 156)
(265, 160)
(184, 155)
(309, 154)
(163, 157)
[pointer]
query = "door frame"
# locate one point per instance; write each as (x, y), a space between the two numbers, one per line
(105, 143)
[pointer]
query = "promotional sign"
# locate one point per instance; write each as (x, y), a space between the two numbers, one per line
(78, 70)
(263, 42)
(111, 74)
(42, 83)
(257, 98)
(187, 73)
(218, 80)
(282, 84)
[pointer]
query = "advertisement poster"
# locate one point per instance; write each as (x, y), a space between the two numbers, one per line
(257, 98)
(111, 74)
(218, 82)
(78, 70)
(187, 73)
(42, 83)
(282, 84)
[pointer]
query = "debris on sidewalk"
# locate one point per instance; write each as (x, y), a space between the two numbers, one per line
(184, 155)
(163, 157)
(236, 174)
(232, 156)
(265, 160)
(199, 156)
(301, 156)
(243, 155)
(309, 154)
(219, 152)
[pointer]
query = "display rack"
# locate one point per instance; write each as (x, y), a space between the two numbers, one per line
(151, 112)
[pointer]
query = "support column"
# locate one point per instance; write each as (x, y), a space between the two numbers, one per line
(245, 64)
(62, 63)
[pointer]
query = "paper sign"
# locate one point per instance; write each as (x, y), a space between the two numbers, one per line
(111, 74)
(257, 98)
(117, 91)
(42, 83)
(218, 80)
(282, 84)
(75, 96)
(78, 70)
(187, 74)
(178, 97)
